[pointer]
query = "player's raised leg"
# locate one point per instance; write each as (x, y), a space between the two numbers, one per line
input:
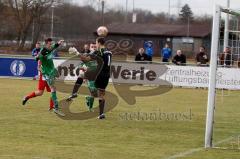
(32, 95)
(76, 87)
(39, 92)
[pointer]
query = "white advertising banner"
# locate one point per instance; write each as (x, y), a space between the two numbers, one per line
(68, 69)
(193, 76)
(140, 73)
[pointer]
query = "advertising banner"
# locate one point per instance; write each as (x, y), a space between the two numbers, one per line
(131, 72)
(18, 67)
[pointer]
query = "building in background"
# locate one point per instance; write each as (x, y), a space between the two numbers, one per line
(160, 34)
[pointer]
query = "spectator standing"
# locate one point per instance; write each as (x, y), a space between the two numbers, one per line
(179, 58)
(85, 49)
(36, 50)
(93, 47)
(35, 53)
(166, 53)
(148, 46)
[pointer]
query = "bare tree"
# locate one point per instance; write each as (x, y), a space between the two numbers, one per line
(25, 12)
(39, 19)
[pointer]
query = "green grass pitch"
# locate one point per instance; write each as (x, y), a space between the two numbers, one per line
(32, 132)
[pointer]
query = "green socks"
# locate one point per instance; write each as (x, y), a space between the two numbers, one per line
(89, 102)
(54, 98)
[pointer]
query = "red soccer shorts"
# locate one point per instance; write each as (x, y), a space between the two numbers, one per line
(42, 84)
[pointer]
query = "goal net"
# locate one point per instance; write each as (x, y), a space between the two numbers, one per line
(225, 54)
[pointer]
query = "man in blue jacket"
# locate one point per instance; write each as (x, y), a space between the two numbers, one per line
(166, 53)
(36, 50)
(148, 46)
(35, 53)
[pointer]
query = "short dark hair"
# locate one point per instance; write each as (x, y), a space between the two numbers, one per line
(48, 40)
(203, 47)
(101, 40)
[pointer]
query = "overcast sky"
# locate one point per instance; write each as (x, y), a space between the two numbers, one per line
(199, 7)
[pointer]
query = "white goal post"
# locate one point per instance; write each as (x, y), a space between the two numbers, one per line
(213, 70)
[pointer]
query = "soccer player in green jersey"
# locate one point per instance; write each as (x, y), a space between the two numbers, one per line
(48, 69)
(90, 67)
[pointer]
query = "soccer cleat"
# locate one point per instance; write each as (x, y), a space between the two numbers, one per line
(102, 116)
(24, 101)
(50, 109)
(71, 97)
(58, 112)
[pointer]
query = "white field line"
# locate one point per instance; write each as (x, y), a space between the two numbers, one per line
(191, 151)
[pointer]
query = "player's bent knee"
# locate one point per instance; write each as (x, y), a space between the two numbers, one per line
(39, 93)
(101, 93)
(53, 89)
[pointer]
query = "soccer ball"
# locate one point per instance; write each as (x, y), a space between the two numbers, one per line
(102, 31)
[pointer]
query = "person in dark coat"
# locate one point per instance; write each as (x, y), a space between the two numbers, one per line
(201, 57)
(179, 58)
(141, 56)
(85, 49)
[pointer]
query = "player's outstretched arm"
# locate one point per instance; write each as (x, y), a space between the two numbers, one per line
(60, 42)
(74, 51)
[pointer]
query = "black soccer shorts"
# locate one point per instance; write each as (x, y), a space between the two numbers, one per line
(102, 81)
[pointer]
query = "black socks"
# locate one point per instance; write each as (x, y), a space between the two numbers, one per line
(101, 106)
(77, 85)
